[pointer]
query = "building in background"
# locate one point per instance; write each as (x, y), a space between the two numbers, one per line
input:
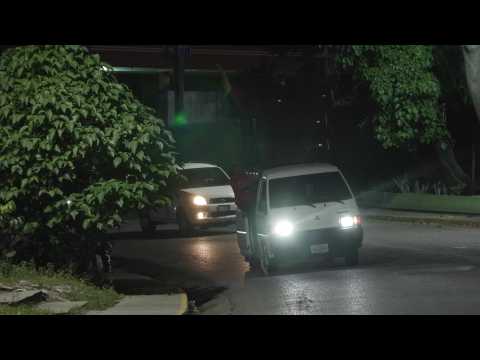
(150, 72)
(210, 128)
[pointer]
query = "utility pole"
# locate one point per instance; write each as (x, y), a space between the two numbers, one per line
(473, 163)
(255, 143)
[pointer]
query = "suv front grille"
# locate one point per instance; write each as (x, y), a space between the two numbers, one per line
(223, 214)
(222, 201)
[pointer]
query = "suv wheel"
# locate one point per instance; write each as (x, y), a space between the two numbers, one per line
(147, 225)
(186, 229)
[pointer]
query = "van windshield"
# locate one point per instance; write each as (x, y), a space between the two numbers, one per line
(204, 177)
(308, 190)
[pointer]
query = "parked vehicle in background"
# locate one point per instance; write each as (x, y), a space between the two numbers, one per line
(302, 211)
(205, 200)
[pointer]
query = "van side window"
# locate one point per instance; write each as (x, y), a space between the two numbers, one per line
(262, 203)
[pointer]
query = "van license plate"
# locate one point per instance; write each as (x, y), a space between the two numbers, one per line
(319, 249)
(223, 208)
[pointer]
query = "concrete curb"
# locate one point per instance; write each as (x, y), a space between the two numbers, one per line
(150, 305)
(424, 220)
(219, 306)
(183, 309)
(158, 302)
(447, 204)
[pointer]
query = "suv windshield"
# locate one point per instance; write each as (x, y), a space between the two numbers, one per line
(308, 190)
(205, 177)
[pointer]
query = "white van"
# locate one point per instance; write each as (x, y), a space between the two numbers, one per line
(301, 211)
(205, 200)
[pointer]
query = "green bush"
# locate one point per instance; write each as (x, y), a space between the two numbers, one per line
(77, 150)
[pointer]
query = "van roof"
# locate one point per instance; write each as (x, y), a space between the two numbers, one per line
(299, 170)
(188, 166)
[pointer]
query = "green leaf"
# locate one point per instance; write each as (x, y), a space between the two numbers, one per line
(49, 115)
(134, 146)
(86, 224)
(17, 118)
(117, 162)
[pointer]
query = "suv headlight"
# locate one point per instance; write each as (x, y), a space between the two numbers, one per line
(199, 201)
(283, 228)
(348, 221)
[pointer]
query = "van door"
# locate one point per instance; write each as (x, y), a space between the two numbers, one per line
(261, 211)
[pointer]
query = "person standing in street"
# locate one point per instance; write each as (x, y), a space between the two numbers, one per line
(244, 186)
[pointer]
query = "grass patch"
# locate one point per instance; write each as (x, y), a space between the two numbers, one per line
(75, 289)
(22, 310)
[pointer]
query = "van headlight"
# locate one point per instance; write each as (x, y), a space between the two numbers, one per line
(199, 201)
(348, 221)
(283, 228)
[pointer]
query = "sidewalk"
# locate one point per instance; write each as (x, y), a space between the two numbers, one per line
(472, 221)
(155, 304)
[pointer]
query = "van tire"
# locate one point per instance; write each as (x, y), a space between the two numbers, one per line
(352, 258)
(267, 265)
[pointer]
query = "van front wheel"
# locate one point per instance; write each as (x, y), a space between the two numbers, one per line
(266, 264)
(352, 257)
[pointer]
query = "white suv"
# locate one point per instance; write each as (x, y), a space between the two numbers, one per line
(303, 210)
(205, 200)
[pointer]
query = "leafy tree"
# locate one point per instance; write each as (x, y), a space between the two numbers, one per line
(77, 150)
(407, 84)
(404, 90)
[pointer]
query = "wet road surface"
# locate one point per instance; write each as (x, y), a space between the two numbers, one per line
(405, 269)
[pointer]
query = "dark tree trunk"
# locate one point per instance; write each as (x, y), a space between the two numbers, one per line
(471, 54)
(456, 178)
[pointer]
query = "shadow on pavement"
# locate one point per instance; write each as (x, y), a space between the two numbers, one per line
(163, 277)
(165, 234)
(155, 279)
(314, 265)
(201, 296)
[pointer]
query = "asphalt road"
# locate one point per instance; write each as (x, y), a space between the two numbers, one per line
(405, 269)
